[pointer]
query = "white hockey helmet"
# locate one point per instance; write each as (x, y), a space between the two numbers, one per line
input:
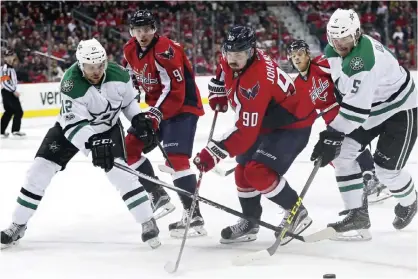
(90, 52)
(343, 23)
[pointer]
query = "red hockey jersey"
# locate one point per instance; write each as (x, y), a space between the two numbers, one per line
(319, 86)
(264, 99)
(166, 76)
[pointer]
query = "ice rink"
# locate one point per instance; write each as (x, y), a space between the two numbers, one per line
(82, 229)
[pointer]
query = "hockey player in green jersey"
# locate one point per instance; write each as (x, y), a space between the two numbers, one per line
(93, 92)
(378, 99)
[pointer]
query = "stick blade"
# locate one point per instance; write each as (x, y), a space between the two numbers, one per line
(170, 267)
(248, 258)
(321, 235)
(219, 171)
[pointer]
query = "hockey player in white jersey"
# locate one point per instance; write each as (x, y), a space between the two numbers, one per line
(94, 92)
(378, 99)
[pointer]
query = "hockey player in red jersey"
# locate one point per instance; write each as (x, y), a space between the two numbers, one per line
(272, 127)
(315, 79)
(163, 72)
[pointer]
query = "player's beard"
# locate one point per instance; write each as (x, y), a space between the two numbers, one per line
(95, 79)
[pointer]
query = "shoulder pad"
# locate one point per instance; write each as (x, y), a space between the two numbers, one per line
(129, 43)
(115, 72)
(73, 84)
(360, 59)
(330, 52)
(165, 49)
(321, 60)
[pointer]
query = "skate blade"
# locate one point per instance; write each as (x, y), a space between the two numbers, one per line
(193, 232)
(244, 238)
(354, 235)
(5, 246)
(376, 199)
(299, 229)
(164, 210)
(154, 243)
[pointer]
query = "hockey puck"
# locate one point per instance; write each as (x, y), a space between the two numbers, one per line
(329, 276)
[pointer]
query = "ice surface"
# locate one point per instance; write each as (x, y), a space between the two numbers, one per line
(82, 228)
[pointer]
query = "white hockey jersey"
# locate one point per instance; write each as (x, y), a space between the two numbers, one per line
(90, 109)
(372, 85)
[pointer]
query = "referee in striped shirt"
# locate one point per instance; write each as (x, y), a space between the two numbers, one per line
(11, 103)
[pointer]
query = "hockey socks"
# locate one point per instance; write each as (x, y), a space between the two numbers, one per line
(144, 166)
(185, 180)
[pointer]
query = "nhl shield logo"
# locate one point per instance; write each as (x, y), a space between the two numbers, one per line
(356, 63)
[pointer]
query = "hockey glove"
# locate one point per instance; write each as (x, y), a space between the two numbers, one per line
(155, 116)
(217, 95)
(142, 129)
(209, 157)
(101, 151)
(328, 147)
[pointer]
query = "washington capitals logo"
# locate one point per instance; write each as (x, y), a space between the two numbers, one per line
(168, 54)
(318, 89)
(250, 93)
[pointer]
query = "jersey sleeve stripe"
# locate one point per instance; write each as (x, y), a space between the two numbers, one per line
(228, 134)
(166, 81)
(76, 129)
(69, 126)
(325, 69)
(396, 94)
(352, 117)
(355, 109)
(394, 105)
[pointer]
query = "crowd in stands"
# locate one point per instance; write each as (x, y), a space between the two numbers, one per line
(36, 30)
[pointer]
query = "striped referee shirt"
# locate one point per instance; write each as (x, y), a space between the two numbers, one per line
(8, 78)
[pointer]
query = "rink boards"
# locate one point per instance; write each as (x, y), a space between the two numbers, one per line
(43, 99)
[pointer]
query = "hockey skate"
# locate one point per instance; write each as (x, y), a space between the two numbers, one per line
(242, 231)
(355, 226)
(150, 233)
(196, 225)
(161, 204)
(301, 221)
(5, 135)
(19, 134)
(404, 215)
(376, 191)
(11, 236)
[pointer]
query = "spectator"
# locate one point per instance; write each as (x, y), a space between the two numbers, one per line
(398, 34)
(382, 9)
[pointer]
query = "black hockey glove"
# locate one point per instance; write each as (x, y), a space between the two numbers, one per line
(328, 147)
(142, 129)
(101, 151)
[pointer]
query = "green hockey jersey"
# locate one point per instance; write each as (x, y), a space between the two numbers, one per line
(372, 85)
(88, 109)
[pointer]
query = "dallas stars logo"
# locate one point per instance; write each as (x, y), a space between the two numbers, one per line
(356, 63)
(54, 146)
(105, 117)
(352, 16)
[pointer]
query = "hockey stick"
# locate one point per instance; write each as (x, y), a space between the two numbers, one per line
(221, 172)
(250, 257)
(171, 267)
(309, 238)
